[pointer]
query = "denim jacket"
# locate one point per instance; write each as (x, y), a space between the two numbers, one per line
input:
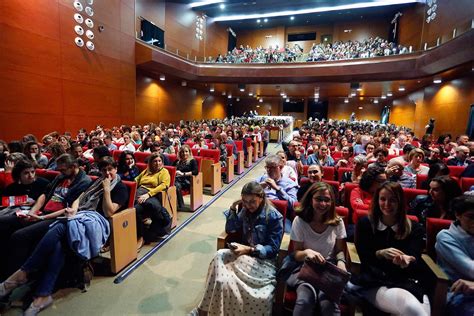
(266, 231)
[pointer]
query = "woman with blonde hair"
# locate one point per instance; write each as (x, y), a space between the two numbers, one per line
(390, 246)
(318, 234)
(186, 167)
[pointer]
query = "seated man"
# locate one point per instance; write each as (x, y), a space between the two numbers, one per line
(277, 187)
(461, 158)
(456, 256)
(20, 236)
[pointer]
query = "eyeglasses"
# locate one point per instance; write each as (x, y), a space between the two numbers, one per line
(313, 171)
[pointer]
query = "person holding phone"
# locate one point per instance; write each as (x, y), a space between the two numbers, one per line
(86, 220)
(241, 280)
(318, 235)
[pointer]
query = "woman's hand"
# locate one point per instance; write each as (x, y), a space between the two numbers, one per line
(241, 249)
(9, 165)
(143, 198)
(179, 173)
(389, 253)
(106, 184)
(236, 205)
(70, 212)
(314, 256)
(271, 183)
(403, 261)
(463, 286)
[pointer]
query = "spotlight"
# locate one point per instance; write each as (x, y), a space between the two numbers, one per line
(265, 20)
(389, 93)
(250, 94)
(292, 18)
(346, 100)
(401, 88)
(383, 96)
(211, 89)
(222, 6)
(437, 80)
(162, 77)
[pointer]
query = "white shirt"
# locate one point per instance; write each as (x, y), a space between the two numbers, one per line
(323, 243)
(128, 147)
(289, 173)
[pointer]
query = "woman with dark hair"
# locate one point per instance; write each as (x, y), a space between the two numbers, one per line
(33, 152)
(56, 151)
(456, 256)
(25, 182)
(318, 235)
(443, 190)
(361, 197)
(146, 145)
(15, 147)
(127, 168)
(151, 181)
(315, 174)
(86, 221)
(390, 246)
(380, 154)
(98, 153)
(241, 280)
(186, 167)
(436, 170)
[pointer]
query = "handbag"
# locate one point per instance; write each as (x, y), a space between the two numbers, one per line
(326, 277)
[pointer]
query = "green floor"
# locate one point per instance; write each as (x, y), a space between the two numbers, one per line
(171, 282)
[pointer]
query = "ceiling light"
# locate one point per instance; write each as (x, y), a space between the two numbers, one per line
(250, 94)
(316, 95)
(346, 100)
(359, 89)
(238, 99)
(223, 93)
(361, 108)
(229, 96)
(241, 87)
(287, 99)
(258, 106)
(162, 77)
(383, 96)
(353, 93)
(258, 21)
(292, 18)
(265, 20)
(284, 96)
(401, 88)
(282, 93)
(314, 10)
(389, 93)
(204, 2)
(222, 6)
(437, 80)
(211, 88)
(260, 100)
(184, 83)
(376, 101)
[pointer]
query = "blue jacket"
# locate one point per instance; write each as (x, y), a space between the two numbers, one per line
(88, 231)
(266, 231)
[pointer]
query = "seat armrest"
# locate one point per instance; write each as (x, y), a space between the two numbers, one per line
(123, 239)
(438, 283)
(353, 258)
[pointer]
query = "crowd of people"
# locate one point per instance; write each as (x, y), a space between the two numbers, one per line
(368, 48)
(381, 160)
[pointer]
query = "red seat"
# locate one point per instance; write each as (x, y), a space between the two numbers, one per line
(336, 155)
(341, 171)
(132, 191)
(456, 171)
(411, 194)
(466, 183)
(47, 174)
(195, 151)
(141, 156)
(116, 154)
(171, 157)
(420, 178)
(328, 172)
(239, 144)
(433, 227)
(282, 207)
(335, 187)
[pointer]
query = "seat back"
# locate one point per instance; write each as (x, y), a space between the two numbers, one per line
(348, 187)
(282, 207)
(455, 171)
(172, 171)
(141, 156)
(335, 187)
(239, 144)
(171, 157)
(132, 191)
(466, 183)
(213, 154)
(341, 171)
(230, 149)
(47, 174)
(336, 155)
(328, 173)
(420, 178)
(433, 227)
(195, 151)
(116, 154)
(199, 162)
(411, 194)
(344, 213)
(141, 166)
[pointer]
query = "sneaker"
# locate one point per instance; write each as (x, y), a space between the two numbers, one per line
(34, 310)
(194, 312)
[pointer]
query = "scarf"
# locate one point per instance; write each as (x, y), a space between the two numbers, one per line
(90, 199)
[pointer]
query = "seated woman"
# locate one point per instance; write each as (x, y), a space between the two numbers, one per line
(442, 191)
(389, 246)
(241, 280)
(102, 199)
(321, 158)
(315, 174)
(287, 171)
(153, 180)
(360, 165)
(56, 151)
(371, 179)
(98, 153)
(436, 170)
(127, 168)
(26, 182)
(318, 235)
(415, 159)
(380, 155)
(127, 143)
(33, 152)
(186, 166)
(455, 255)
(347, 159)
(146, 144)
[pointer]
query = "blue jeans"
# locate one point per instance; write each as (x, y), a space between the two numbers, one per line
(48, 256)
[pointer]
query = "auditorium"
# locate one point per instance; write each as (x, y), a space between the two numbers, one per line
(237, 157)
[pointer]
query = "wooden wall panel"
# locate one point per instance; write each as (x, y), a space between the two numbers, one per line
(448, 103)
(361, 29)
(168, 101)
(261, 37)
(319, 29)
(339, 110)
(411, 26)
(49, 82)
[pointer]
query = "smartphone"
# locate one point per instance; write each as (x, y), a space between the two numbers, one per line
(232, 245)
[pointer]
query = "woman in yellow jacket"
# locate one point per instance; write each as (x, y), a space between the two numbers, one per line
(150, 182)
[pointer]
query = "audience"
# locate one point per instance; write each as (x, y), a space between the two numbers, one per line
(186, 167)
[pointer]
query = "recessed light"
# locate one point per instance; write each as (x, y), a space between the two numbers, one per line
(359, 89)
(376, 101)
(229, 96)
(162, 77)
(222, 6)
(389, 93)
(258, 20)
(250, 94)
(287, 99)
(361, 108)
(383, 96)
(353, 93)
(260, 100)
(437, 80)
(184, 83)
(292, 18)
(211, 88)
(265, 20)
(223, 93)
(346, 100)
(401, 88)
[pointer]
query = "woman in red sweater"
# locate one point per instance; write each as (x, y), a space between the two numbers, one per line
(361, 197)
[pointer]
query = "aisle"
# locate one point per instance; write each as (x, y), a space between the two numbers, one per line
(169, 283)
